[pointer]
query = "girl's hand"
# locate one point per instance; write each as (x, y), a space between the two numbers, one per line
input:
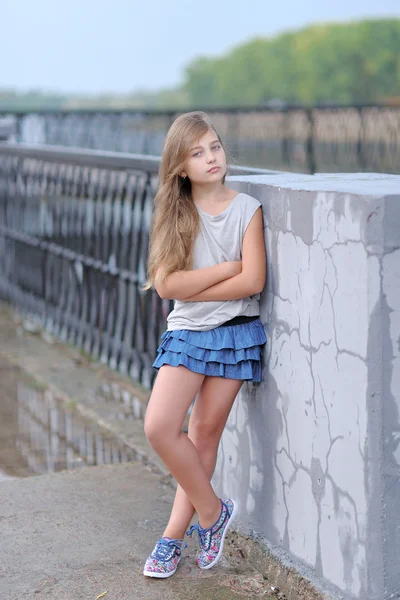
(232, 268)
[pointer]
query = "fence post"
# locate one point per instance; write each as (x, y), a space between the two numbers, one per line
(7, 129)
(310, 142)
(360, 143)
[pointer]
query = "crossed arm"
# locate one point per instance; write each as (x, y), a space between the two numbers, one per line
(225, 281)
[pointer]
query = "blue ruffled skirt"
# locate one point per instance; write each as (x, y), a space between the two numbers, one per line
(231, 351)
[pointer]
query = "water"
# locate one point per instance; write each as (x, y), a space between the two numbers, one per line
(41, 434)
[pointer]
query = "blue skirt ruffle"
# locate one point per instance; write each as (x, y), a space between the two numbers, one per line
(232, 351)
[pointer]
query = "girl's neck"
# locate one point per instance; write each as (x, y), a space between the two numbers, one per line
(215, 192)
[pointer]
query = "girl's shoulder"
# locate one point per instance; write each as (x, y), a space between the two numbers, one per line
(247, 199)
(246, 206)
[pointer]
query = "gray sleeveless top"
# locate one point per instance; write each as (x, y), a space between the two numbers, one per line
(220, 239)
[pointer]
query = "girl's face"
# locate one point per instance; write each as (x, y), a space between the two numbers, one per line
(207, 161)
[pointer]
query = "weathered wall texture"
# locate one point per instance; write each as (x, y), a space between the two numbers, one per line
(312, 454)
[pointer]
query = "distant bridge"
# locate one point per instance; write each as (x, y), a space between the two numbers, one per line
(334, 138)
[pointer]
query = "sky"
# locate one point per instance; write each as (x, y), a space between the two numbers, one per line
(120, 46)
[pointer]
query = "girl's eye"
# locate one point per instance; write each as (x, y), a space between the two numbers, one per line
(197, 154)
(217, 147)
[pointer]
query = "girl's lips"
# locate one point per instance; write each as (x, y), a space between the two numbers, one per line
(213, 170)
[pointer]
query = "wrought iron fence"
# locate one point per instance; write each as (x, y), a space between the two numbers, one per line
(294, 138)
(74, 230)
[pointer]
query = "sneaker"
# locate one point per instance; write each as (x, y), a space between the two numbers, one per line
(164, 559)
(211, 540)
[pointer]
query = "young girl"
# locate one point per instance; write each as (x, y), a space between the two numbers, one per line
(207, 253)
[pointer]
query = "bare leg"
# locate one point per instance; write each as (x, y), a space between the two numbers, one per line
(206, 424)
(173, 392)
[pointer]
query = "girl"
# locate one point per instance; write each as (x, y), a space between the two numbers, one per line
(207, 253)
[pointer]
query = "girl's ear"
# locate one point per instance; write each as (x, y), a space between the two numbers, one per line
(183, 175)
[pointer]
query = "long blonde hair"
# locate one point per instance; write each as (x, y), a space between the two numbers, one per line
(175, 222)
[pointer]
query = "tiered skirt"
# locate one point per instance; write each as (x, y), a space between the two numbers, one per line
(231, 351)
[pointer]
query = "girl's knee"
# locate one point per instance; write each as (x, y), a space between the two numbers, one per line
(154, 431)
(205, 436)
(158, 434)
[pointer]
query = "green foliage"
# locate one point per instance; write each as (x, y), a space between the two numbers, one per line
(357, 62)
(33, 100)
(343, 63)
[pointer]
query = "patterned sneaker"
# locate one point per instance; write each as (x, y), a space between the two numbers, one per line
(164, 559)
(211, 540)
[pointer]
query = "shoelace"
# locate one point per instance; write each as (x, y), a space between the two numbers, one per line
(164, 547)
(202, 533)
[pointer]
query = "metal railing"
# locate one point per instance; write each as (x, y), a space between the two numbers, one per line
(74, 228)
(292, 138)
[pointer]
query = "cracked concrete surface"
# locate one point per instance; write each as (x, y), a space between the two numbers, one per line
(305, 450)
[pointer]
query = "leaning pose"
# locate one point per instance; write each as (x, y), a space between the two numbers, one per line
(207, 253)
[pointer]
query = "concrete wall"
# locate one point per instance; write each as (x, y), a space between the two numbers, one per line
(312, 453)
